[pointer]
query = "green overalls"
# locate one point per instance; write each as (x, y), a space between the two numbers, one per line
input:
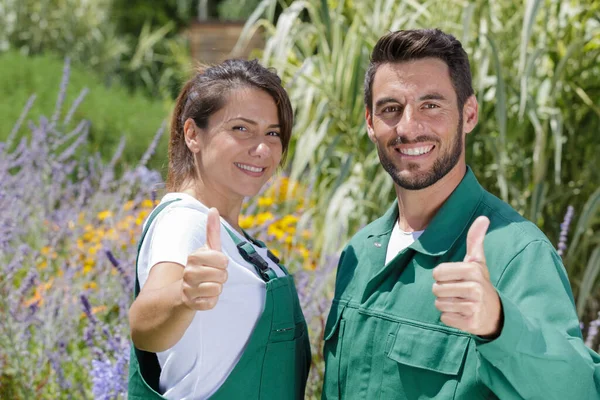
(276, 360)
(384, 338)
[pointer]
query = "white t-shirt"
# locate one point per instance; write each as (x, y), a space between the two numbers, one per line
(201, 361)
(399, 240)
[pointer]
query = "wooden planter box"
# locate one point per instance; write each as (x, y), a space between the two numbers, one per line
(212, 42)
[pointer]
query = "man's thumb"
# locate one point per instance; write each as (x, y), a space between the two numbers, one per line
(475, 238)
(213, 230)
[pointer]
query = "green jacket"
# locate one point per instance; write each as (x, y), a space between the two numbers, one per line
(384, 338)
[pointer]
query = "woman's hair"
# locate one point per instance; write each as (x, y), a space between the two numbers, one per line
(205, 94)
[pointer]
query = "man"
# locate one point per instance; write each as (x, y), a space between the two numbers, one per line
(424, 307)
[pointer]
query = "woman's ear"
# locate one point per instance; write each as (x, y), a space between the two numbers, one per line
(191, 135)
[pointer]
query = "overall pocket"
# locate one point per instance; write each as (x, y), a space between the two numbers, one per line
(423, 362)
(285, 368)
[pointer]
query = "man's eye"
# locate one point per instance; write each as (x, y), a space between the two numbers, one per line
(240, 128)
(430, 106)
(391, 109)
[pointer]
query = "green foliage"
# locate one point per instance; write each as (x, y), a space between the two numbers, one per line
(131, 15)
(236, 10)
(113, 112)
(536, 73)
(120, 44)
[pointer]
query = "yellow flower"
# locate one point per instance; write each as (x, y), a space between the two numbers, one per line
(289, 220)
(273, 230)
(129, 205)
(94, 249)
(289, 240)
(88, 236)
(111, 234)
(42, 264)
(261, 218)
(104, 215)
(94, 311)
(90, 285)
(147, 203)
(88, 265)
(310, 265)
(246, 221)
(47, 251)
(303, 252)
(265, 201)
(276, 253)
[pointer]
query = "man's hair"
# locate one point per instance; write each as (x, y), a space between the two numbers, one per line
(407, 45)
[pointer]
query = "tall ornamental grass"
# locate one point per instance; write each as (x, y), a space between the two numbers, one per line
(536, 74)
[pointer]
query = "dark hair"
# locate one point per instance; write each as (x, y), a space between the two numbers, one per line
(205, 94)
(407, 45)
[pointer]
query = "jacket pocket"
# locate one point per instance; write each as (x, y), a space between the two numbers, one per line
(333, 336)
(423, 362)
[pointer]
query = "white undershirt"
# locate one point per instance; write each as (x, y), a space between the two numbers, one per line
(399, 240)
(201, 361)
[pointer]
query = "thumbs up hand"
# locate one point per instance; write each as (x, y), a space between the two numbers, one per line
(206, 269)
(464, 293)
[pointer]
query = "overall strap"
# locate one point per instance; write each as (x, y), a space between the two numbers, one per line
(249, 254)
(151, 218)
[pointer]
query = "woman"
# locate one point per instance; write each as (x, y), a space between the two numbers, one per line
(216, 316)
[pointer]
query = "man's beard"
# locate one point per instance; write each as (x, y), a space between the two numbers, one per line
(424, 179)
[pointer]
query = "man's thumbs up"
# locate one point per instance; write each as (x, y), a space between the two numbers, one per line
(464, 293)
(475, 238)
(206, 269)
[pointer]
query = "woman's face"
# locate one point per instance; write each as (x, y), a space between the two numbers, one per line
(241, 147)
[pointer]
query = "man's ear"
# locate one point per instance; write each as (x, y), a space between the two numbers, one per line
(191, 133)
(470, 114)
(370, 130)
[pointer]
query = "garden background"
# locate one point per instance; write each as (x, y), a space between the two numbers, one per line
(87, 89)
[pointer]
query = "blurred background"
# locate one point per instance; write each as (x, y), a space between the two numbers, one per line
(87, 90)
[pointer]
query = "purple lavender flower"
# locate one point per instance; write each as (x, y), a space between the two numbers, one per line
(564, 230)
(592, 333)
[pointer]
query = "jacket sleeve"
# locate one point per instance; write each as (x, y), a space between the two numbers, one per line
(540, 353)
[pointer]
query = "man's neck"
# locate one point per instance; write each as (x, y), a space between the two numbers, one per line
(418, 207)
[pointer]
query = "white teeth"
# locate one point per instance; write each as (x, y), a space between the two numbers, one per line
(249, 168)
(417, 151)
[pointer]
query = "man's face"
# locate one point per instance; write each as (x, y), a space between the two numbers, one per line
(416, 123)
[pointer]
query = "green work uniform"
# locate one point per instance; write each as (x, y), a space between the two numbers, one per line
(277, 358)
(384, 338)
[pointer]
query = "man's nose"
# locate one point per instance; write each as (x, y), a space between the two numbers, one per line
(409, 124)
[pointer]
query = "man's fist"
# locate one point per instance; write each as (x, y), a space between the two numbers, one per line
(464, 293)
(206, 269)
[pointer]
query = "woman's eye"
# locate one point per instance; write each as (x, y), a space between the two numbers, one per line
(273, 133)
(240, 128)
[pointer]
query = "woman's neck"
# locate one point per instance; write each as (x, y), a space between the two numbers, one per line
(229, 208)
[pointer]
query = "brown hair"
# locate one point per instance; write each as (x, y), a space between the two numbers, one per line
(205, 94)
(407, 45)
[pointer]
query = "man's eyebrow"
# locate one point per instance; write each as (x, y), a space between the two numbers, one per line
(252, 122)
(385, 100)
(432, 96)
